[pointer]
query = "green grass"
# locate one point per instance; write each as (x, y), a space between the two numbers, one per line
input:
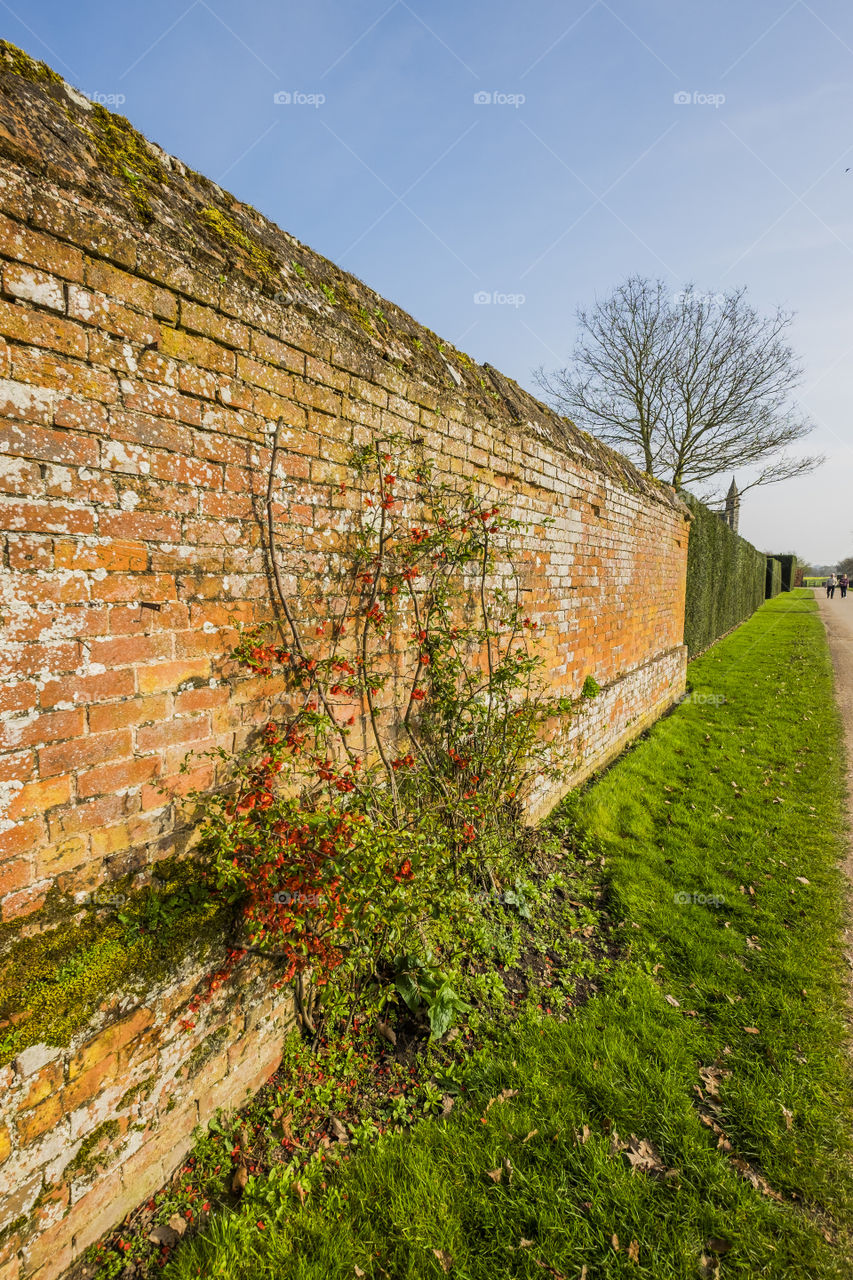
(739, 789)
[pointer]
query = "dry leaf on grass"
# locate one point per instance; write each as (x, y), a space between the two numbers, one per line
(241, 1177)
(752, 1175)
(494, 1174)
(711, 1078)
(672, 1000)
(178, 1224)
(446, 1105)
(386, 1031)
(709, 1266)
(634, 1251)
(614, 1242)
(752, 1031)
(581, 1135)
(552, 1271)
(789, 1116)
(164, 1235)
(531, 1134)
(718, 1244)
(445, 1258)
(338, 1129)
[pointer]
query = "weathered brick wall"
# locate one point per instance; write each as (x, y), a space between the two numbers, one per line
(89, 1131)
(153, 330)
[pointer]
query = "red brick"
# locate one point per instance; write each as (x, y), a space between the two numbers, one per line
(21, 838)
(72, 377)
(131, 290)
(118, 556)
(197, 351)
(14, 875)
(180, 730)
(111, 316)
(118, 715)
(26, 245)
(39, 797)
(36, 658)
(277, 353)
(131, 650)
(79, 752)
(110, 1040)
(182, 470)
(56, 859)
(86, 689)
(53, 446)
(27, 404)
(213, 325)
(162, 677)
(139, 526)
(35, 517)
(31, 285)
(133, 588)
(26, 553)
(20, 322)
(32, 1124)
(90, 1082)
(146, 429)
(108, 778)
(163, 402)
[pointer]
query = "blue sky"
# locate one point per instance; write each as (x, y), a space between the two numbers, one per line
(580, 169)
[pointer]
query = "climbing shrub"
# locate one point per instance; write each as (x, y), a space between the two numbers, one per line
(410, 722)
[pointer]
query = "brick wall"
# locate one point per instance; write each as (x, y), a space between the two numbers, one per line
(147, 347)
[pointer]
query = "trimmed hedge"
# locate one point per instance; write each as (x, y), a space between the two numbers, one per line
(725, 578)
(773, 579)
(789, 570)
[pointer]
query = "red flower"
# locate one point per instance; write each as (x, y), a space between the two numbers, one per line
(418, 695)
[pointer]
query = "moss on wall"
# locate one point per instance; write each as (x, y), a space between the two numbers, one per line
(53, 982)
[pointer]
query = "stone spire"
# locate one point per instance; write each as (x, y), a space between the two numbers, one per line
(731, 514)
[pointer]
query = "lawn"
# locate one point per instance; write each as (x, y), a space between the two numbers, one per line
(693, 1117)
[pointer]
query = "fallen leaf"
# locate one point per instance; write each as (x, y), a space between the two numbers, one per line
(494, 1174)
(672, 1000)
(614, 1242)
(752, 1031)
(531, 1134)
(444, 1258)
(446, 1105)
(386, 1031)
(709, 1266)
(718, 1244)
(241, 1177)
(300, 1191)
(507, 1164)
(338, 1129)
(359, 1272)
(789, 1116)
(552, 1271)
(802, 880)
(524, 1244)
(178, 1224)
(711, 1078)
(761, 1184)
(634, 1251)
(641, 1155)
(582, 1136)
(164, 1235)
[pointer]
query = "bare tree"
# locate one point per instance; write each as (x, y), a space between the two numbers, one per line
(690, 386)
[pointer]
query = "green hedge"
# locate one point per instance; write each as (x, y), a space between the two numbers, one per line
(725, 579)
(773, 578)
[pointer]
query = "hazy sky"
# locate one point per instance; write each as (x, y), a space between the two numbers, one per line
(532, 154)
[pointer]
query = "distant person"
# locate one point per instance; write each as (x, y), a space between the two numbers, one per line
(844, 583)
(831, 584)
